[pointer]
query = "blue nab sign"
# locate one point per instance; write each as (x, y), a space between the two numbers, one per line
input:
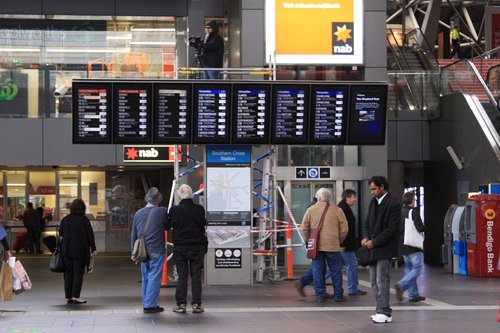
(232, 154)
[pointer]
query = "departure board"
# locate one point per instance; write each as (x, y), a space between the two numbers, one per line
(329, 114)
(211, 113)
(172, 116)
(290, 114)
(368, 106)
(251, 108)
(132, 113)
(92, 112)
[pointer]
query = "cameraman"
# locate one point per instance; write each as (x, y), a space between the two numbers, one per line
(213, 51)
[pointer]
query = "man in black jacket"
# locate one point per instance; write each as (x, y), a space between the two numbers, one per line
(213, 51)
(188, 222)
(381, 233)
(350, 244)
(413, 256)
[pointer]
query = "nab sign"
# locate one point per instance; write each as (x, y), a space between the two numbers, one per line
(148, 154)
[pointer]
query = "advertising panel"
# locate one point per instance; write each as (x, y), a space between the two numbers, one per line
(314, 32)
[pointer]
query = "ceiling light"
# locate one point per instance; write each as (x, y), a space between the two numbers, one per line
(124, 37)
(12, 49)
(66, 50)
(152, 43)
(153, 29)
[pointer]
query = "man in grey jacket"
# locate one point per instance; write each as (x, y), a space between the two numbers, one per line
(150, 222)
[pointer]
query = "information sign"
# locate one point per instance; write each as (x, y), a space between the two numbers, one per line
(211, 113)
(92, 112)
(132, 113)
(251, 107)
(172, 116)
(291, 108)
(329, 115)
(367, 114)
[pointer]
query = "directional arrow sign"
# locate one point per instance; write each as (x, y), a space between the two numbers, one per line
(301, 173)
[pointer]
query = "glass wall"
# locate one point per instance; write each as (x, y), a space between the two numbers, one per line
(318, 155)
(68, 191)
(16, 194)
(39, 58)
(42, 192)
(94, 193)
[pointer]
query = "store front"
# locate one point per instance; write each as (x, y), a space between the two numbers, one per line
(112, 197)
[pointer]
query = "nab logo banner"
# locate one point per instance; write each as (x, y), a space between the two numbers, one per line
(148, 154)
(342, 38)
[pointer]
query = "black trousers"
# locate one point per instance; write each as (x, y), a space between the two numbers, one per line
(73, 276)
(189, 262)
(33, 235)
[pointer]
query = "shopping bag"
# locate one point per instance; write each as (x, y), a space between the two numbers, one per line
(56, 263)
(412, 236)
(365, 256)
(20, 273)
(5, 282)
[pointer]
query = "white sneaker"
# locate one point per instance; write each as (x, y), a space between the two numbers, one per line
(380, 318)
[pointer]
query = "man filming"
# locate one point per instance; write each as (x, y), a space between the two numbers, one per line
(213, 51)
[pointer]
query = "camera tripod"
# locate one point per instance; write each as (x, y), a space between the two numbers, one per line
(197, 63)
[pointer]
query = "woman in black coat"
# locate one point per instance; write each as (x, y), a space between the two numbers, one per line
(78, 244)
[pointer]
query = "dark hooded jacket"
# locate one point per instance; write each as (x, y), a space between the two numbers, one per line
(213, 48)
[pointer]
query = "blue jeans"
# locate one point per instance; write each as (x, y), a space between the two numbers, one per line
(334, 262)
(351, 270)
(381, 279)
(211, 75)
(151, 279)
(413, 269)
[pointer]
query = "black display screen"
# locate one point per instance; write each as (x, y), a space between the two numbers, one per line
(172, 116)
(92, 112)
(290, 114)
(132, 113)
(251, 108)
(212, 113)
(368, 106)
(329, 114)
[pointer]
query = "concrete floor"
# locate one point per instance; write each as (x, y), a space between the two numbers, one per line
(454, 304)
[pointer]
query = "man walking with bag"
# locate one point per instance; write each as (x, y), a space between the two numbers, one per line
(381, 233)
(413, 256)
(331, 234)
(150, 222)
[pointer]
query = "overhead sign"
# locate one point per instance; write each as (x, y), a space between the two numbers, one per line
(312, 172)
(314, 32)
(151, 154)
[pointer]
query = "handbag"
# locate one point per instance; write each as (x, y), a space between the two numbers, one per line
(365, 256)
(312, 241)
(412, 236)
(56, 263)
(5, 282)
(139, 251)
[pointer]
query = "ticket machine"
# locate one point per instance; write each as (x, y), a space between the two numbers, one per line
(482, 231)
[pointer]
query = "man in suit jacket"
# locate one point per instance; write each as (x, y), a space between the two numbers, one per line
(381, 233)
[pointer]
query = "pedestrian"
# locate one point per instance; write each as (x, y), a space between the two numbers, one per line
(188, 222)
(5, 244)
(413, 257)
(381, 233)
(350, 244)
(331, 235)
(78, 244)
(455, 43)
(31, 222)
(150, 222)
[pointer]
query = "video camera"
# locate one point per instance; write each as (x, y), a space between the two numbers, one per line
(196, 42)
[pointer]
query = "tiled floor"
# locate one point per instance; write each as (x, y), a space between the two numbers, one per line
(455, 304)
